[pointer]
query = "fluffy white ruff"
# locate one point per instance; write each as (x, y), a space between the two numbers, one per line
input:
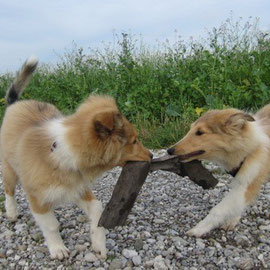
(11, 207)
(61, 153)
(49, 226)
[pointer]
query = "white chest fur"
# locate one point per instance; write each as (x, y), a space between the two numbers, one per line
(61, 153)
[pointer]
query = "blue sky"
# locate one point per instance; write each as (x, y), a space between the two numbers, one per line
(48, 28)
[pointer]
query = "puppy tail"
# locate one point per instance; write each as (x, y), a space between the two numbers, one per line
(21, 80)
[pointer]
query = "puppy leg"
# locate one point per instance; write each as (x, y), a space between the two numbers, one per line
(10, 180)
(229, 210)
(49, 225)
(93, 209)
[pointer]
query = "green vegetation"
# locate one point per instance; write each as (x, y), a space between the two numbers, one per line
(162, 90)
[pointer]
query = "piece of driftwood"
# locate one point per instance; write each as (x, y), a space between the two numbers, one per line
(194, 170)
(124, 194)
(132, 178)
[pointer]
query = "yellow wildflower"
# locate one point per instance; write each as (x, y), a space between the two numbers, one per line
(199, 111)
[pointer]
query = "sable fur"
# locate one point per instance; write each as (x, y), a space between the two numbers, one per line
(230, 137)
(57, 157)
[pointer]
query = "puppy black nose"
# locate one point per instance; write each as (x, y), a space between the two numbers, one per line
(151, 155)
(170, 151)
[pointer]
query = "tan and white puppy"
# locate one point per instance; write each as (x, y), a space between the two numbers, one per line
(239, 142)
(56, 157)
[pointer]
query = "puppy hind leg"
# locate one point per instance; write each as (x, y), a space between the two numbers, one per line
(49, 226)
(10, 180)
(93, 209)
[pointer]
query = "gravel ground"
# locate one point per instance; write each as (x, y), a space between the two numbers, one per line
(154, 237)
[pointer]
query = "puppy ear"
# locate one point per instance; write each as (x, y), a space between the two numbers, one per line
(238, 120)
(106, 123)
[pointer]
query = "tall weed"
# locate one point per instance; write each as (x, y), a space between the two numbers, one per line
(163, 89)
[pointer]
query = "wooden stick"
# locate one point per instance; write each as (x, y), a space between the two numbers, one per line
(124, 194)
(194, 170)
(132, 178)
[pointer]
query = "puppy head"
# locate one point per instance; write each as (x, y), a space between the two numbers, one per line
(106, 136)
(120, 138)
(212, 136)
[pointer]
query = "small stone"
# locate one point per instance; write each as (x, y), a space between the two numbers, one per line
(159, 221)
(265, 228)
(30, 223)
(7, 234)
(43, 249)
(22, 247)
(20, 227)
(82, 218)
(40, 255)
(137, 260)
(80, 248)
(2, 254)
(149, 263)
(242, 240)
(200, 244)
(245, 264)
(22, 262)
(179, 242)
(129, 253)
(147, 234)
(90, 257)
(110, 243)
(159, 263)
(151, 241)
(212, 251)
(115, 264)
(9, 252)
(79, 257)
(138, 244)
(73, 253)
(17, 257)
(37, 236)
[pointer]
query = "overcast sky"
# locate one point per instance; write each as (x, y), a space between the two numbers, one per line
(47, 28)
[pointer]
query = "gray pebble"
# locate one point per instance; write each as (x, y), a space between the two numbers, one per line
(90, 257)
(137, 260)
(115, 264)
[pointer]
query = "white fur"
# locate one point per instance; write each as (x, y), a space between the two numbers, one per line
(32, 60)
(61, 153)
(11, 207)
(49, 226)
(94, 209)
(61, 194)
(228, 212)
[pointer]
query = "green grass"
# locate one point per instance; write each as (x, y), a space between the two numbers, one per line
(162, 90)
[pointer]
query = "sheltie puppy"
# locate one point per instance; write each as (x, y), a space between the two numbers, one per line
(57, 157)
(239, 142)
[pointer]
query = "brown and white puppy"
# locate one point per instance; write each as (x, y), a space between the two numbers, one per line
(57, 157)
(239, 142)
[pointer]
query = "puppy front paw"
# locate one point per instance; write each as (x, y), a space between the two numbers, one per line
(200, 229)
(99, 242)
(197, 232)
(59, 251)
(230, 225)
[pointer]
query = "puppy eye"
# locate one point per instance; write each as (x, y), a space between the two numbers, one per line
(199, 133)
(135, 141)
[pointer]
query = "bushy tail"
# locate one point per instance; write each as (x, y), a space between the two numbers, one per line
(21, 80)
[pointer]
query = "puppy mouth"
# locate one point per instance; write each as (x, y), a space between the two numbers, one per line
(190, 155)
